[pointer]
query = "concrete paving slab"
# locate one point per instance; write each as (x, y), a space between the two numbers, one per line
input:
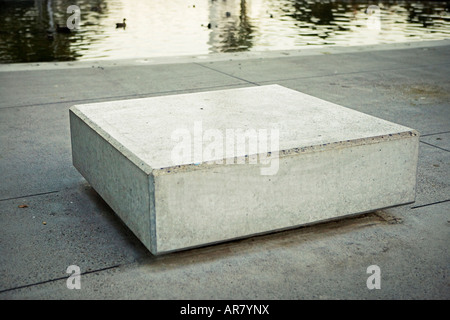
(70, 227)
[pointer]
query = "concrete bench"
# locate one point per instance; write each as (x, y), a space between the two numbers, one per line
(188, 170)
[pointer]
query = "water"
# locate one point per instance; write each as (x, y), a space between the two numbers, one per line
(180, 27)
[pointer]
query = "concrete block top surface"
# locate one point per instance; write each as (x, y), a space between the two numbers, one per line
(144, 129)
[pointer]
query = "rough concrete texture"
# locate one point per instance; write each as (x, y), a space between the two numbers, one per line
(406, 84)
(325, 161)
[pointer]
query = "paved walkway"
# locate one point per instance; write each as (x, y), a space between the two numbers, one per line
(64, 222)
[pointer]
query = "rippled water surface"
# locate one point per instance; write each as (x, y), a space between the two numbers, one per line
(178, 27)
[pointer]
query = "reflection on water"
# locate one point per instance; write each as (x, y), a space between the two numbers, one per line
(177, 27)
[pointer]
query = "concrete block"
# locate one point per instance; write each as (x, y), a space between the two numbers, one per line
(193, 169)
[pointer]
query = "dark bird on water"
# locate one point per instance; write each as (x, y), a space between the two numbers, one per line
(121, 25)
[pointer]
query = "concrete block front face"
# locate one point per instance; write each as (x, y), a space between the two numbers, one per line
(194, 169)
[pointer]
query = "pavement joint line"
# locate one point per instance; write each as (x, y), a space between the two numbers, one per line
(350, 73)
(433, 134)
(131, 96)
(29, 195)
(57, 279)
(227, 74)
(432, 145)
(430, 204)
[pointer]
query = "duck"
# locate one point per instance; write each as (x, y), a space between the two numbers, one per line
(60, 29)
(121, 25)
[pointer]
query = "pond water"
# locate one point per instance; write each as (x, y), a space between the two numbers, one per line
(181, 27)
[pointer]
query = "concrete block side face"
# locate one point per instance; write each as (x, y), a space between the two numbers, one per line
(221, 203)
(123, 186)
